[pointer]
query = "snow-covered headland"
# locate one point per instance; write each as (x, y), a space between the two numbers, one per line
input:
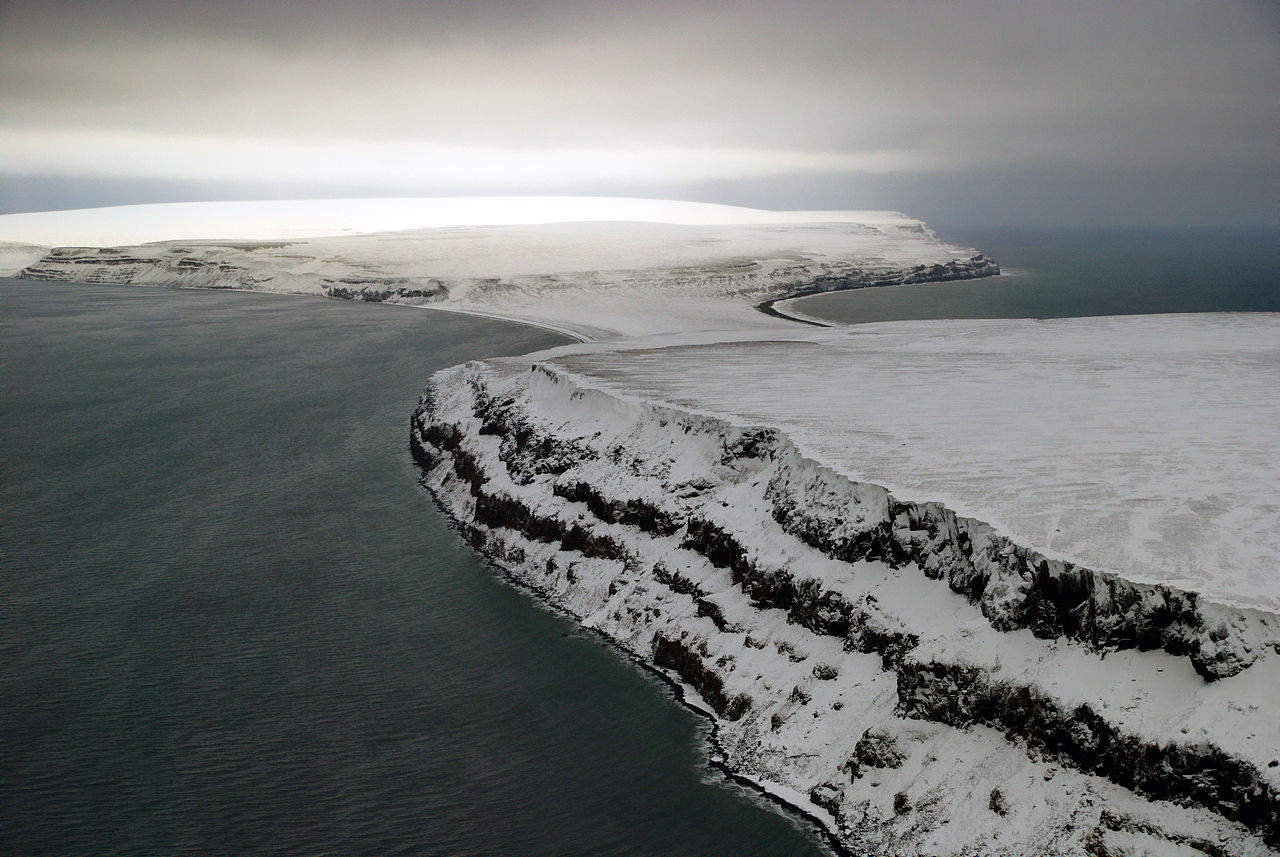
(924, 683)
(1003, 587)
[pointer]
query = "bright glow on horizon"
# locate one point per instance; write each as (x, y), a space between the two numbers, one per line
(211, 158)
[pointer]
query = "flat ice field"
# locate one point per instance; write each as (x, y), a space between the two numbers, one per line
(1142, 445)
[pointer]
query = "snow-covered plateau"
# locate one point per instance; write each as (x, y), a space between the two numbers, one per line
(996, 587)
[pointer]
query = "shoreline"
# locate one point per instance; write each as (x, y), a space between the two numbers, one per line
(772, 308)
(715, 754)
(829, 836)
(565, 331)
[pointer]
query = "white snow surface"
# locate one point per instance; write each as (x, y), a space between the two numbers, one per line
(1142, 445)
(313, 218)
(15, 257)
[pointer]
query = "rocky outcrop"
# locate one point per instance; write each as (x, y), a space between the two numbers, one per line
(687, 663)
(179, 266)
(383, 289)
(854, 647)
(975, 267)
(1199, 773)
(1015, 587)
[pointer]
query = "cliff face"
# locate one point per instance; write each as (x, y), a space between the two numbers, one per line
(202, 266)
(909, 676)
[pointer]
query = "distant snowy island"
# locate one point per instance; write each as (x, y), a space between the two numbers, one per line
(592, 268)
(948, 587)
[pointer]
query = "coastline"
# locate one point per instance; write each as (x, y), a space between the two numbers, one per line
(592, 339)
(779, 307)
(713, 755)
(770, 308)
(686, 696)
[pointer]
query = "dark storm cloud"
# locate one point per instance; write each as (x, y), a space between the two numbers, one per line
(456, 97)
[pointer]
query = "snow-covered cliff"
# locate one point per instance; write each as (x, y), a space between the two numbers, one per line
(913, 678)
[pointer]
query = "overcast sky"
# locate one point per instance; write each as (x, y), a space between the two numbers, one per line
(961, 113)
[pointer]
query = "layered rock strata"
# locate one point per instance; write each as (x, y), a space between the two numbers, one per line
(909, 676)
(204, 266)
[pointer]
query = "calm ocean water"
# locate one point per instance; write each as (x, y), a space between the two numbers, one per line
(232, 623)
(1064, 273)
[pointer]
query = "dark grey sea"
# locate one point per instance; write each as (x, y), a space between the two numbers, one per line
(1067, 273)
(233, 623)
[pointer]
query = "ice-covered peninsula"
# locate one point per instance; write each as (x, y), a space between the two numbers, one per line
(999, 587)
(594, 268)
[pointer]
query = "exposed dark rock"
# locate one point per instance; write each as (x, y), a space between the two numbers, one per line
(825, 672)
(1199, 773)
(678, 656)
(750, 443)
(875, 749)
(502, 510)
(712, 611)
(380, 289)
(676, 581)
(1014, 586)
(525, 451)
(633, 511)
(873, 632)
(857, 277)
(807, 603)
(828, 796)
